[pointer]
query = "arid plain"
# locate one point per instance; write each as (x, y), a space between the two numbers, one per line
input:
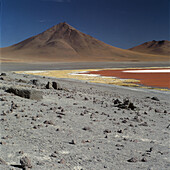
(66, 123)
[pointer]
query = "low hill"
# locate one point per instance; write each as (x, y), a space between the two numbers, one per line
(154, 47)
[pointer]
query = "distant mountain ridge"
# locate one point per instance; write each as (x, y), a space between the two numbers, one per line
(154, 47)
(64, 43)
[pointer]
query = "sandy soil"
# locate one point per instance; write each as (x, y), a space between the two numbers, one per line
(83, 126)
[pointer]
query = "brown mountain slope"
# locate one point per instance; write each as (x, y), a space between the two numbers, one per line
(63, 43)
(154, 47)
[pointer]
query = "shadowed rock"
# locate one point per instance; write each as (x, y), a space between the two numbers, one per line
(26, 93)
(49, 85)
(53, 85)
(56, 86)
(25, 163)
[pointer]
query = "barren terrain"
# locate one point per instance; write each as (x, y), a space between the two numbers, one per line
(78, 125)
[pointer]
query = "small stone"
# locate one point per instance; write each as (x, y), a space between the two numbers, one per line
(150, 150)
(62, 161)
(137, 119)
(87, 128)
(25, 162)
(143, 124)
(117, 101)
(86, 98)
(134, 159)
(85, 141)
(155, 98)
(17, 116)
(53, 155)
(2, 143)
(144, 159)
(3, 74)
(124, 121)
(157, 111)
(131, 106)
(21, 152)
(126, 102)
(72, 142)
(34, 82)
(118, 145)
(120, 131)
(107, 131)
(48, 122)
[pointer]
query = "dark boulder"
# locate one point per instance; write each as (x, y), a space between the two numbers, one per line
(26, 93)
(56, 85)
(49, 85)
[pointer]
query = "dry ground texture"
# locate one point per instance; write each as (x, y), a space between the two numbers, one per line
(73, 124)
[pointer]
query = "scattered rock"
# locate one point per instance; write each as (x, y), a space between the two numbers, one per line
(143, 124)
(165, 111)
(2, 143)
(53, 155)
(87, 128)
(120, 131)
(25, 162)
(3, 74)
(137, 119)
(72, 142)
(131, 106)
(48, 122)
(144, 159)
(21, 152)
(107, 131)
(126, 104)
(53, 85)
(49, 85)
(117, 101)
(34, 82)
(124, 121)
(157, 110)
(85, 141)
(56, 86)
(62, 161)
(150, 150)
(118, 145)
(133, 159)
(85, 98)
(155, 98)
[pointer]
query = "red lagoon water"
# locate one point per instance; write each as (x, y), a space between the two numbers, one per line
(147, 77)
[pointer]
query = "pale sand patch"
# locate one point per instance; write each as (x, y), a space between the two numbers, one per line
(28, 72)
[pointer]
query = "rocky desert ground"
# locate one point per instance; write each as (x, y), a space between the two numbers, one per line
(49, 124)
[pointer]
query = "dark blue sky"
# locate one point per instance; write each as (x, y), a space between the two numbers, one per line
(121, 23)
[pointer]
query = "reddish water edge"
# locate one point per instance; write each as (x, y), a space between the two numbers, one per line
(148, 79)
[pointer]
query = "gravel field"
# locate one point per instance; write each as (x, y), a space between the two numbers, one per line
(49, 123)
